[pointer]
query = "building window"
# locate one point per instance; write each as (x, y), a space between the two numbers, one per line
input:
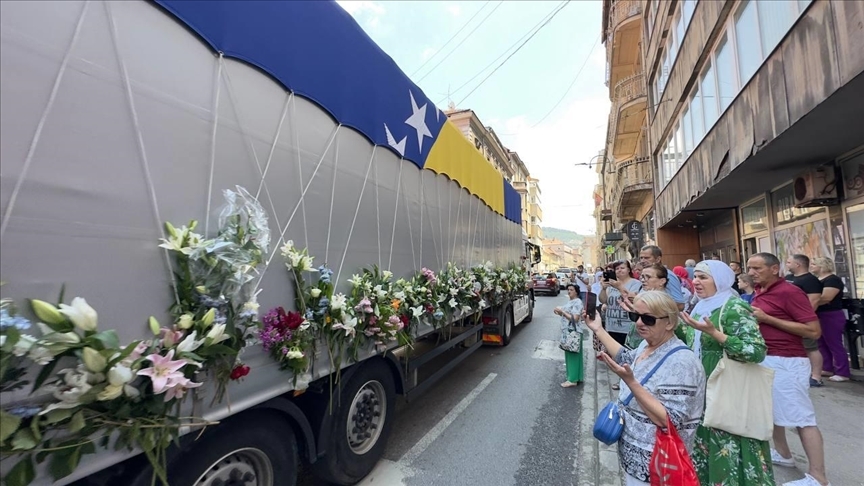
(696, 120)
(688, 7)
(754, 217)
(688, 133)
(774, 21)
(709, 98)
(747, 40)
(783, 203)
(726, 76)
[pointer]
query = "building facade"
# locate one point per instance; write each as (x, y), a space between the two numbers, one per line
(754, 122)
(535, 212)
(626, 176)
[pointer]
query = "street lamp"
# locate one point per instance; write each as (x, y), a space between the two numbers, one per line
(590, 162)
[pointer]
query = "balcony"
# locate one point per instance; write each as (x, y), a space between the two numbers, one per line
(627, 116)
(635, 183)
(535, 211)
(623, 36)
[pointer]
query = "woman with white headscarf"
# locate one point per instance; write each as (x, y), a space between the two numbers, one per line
(722, 321)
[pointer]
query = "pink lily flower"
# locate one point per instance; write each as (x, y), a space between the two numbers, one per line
(165, 371)
(179, 387)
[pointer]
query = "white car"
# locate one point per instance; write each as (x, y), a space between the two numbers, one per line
(563, 280)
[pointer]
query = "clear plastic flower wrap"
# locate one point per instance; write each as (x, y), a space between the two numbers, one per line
(234, 257)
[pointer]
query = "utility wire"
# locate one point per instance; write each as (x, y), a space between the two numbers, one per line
(571, 83)
(451, 39)
(461, 42)
(514, 52)
(466, 83)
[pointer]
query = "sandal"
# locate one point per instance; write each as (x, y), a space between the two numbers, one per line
(616, 387)
(568, 384)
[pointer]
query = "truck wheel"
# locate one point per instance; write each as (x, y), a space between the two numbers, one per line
(361, 425)
(506, 325)
(261, 451)
(530, 315)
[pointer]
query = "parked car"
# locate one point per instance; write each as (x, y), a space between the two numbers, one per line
(546, 283)
(563, 280)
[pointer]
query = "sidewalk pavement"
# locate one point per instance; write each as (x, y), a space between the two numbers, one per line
(839, 413)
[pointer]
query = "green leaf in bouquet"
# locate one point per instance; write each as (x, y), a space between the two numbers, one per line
(8, 425)
(44, 374)
(22, 474)
(24, 440)
(105, 339)
(77, 423)
(218, 349)
(125, 352)
(64, 461)
(34, 428)
(58, 415)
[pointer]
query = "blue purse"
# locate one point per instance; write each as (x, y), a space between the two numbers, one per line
(610, 422)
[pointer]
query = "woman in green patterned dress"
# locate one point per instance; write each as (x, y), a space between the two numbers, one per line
(721, 458)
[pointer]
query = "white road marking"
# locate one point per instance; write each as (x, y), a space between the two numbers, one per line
(387, 473)
(445, 422)
(547, 349)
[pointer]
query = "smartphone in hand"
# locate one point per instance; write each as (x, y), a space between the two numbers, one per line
(590, 305)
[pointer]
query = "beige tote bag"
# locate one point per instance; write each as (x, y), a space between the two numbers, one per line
(738, 398)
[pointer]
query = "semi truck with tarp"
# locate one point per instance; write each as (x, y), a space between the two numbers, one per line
(118, 117)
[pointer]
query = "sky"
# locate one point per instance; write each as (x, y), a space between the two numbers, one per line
(516, 98)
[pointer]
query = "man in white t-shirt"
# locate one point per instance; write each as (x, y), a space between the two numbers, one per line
(580, 278)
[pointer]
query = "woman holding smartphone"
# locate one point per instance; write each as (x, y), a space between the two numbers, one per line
(571, 336)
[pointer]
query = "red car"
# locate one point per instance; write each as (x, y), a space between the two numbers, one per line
(546, 283)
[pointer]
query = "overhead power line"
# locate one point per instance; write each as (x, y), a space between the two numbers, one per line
(451, 38)
(571, 83)
(514, 52)
(461, 42)
(537, 25)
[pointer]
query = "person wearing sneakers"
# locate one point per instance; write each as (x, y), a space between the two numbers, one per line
(799, 274)
(835, 361)
(785, 316)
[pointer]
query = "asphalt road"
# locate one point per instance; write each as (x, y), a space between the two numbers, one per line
(500, 418)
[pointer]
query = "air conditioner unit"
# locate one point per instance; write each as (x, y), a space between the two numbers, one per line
(816, 187)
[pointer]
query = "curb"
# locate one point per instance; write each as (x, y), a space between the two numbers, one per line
(599, 462)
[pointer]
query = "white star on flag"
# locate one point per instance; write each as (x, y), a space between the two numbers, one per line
(400, 145)
(418, 121)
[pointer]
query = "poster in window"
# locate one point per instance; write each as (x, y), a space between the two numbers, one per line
(811, 239)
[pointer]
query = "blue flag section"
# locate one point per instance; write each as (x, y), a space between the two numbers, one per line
(316, 50)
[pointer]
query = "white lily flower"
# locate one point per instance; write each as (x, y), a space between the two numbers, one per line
(93, 360)
(120, 375)
(82, 315)
(2, 341)
(251, 306)
(399, 295)
(315, 293)
(453, 303)
(387, 275)
(294, 353)
(338, 302)
(217, 334)
(110, 392)
(189, 344)
(417, 311)
(40, 355)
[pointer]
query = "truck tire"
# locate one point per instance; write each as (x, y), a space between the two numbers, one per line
(368, 403)
(530, 315)
(506, 325)
(259, 451)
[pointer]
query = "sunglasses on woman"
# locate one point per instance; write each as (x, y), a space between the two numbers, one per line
(646, 319)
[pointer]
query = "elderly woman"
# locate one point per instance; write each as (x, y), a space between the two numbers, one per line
(835, 362)
(571, 336)
(675, 392)
(654, 277)
(722, 321)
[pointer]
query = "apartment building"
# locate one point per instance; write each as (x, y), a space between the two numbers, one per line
(754, 126)
(626, 190)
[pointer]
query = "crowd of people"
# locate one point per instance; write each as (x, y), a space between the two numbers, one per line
(791, 324)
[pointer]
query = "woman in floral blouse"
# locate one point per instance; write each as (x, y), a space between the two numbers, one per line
(721, 458)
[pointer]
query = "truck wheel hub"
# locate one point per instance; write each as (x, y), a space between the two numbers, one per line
(243, 467)
(366, 417)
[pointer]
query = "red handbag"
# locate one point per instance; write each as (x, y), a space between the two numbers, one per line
(670, 462)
